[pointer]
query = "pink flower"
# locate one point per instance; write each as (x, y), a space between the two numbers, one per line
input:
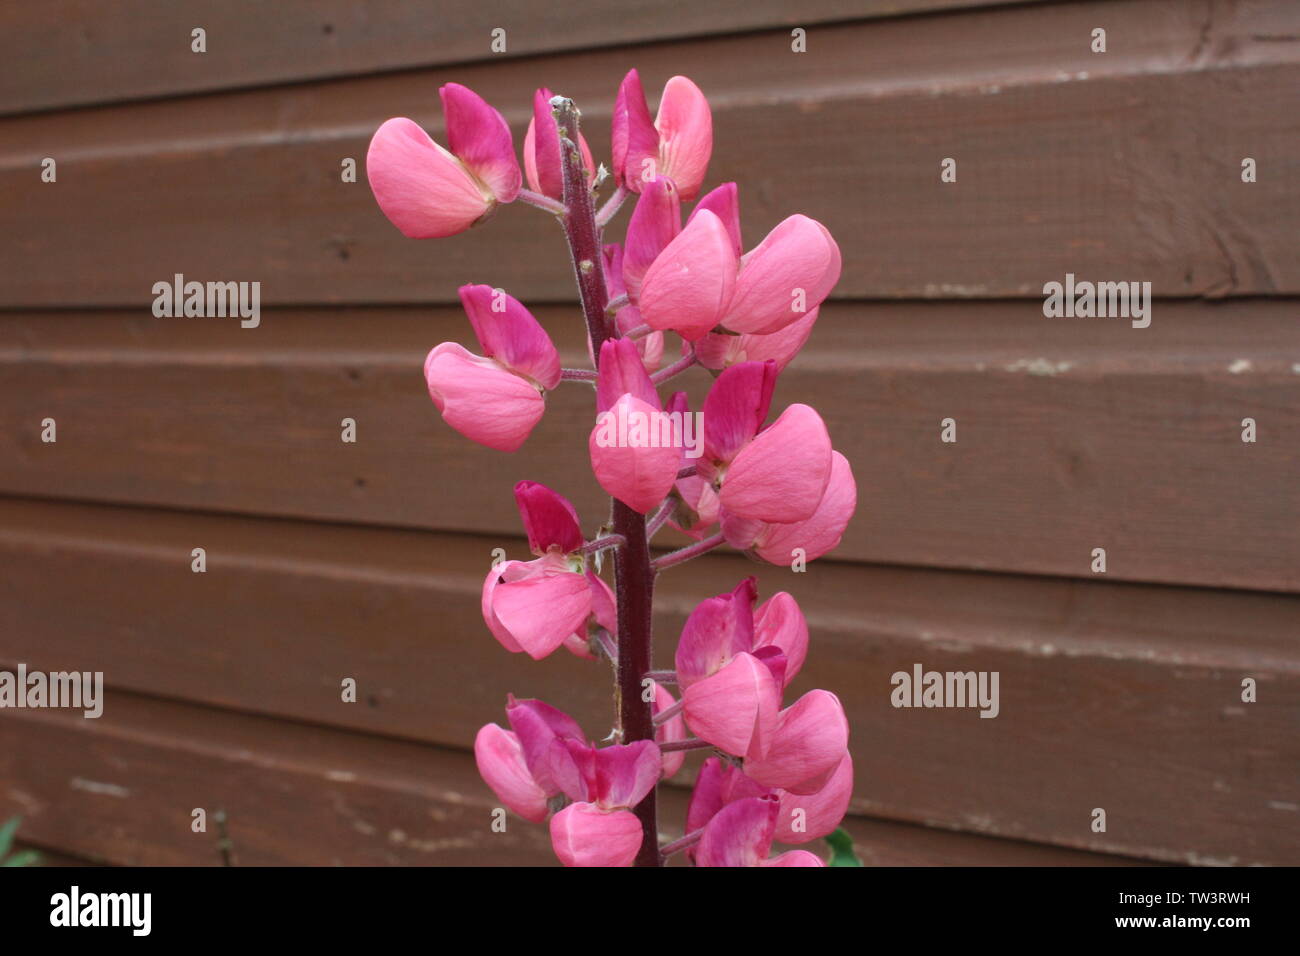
(717, 351)
(500, 760)
(496, 398)
(806, 747)
(776, 473)
(689, 286)
(600, 828)
(536, 606)
(630, 459)
(429, 192)
(651, 346)
(677, 144)
(818, 535)
(542, 150)
(731, 686)
(789, 273)
(655, 222)
(741, 834)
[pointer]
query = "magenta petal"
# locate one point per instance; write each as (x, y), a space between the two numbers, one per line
(687, 289)
(810, 739)
(541, 611)
(685, 126)
(625, 773)
(717, 630)
(814, 815)
(538, 726)
(425, 191)
(740, 834)
(778, 622)
(509, 333)
(815, 537)
(481, 399)
(500, 761)
(735, 709)
(634, 141)
(781, 475)
(622, 372)
(480, 138)
(656, 221)
(542, 164)
(724, 202)
(736, 408)
(549, 518)
(635, 471)
(784, 277)
(584, 835)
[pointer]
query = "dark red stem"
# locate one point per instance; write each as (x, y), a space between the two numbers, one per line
(633, 577)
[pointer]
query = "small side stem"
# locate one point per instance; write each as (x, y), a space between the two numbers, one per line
(542, 202)
(673, 558)
(670, 371)
(660, 517)
(693, 743)
(685, 843)
(611, 207)
(577, 375)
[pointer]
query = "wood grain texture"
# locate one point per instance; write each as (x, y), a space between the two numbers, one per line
(1122, 166)
(1072, 434)
(1116, 696)
(122, 789)
(80, 52)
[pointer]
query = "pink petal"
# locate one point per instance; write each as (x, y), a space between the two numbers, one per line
(480, 398)
(480, 138)
(625, 773)
(735, 709)
(809, 741)
(778, 622)
(688, 287)
(794, 858)
(634, 141)
(550, 519)
(656, 222)
(542, 164)
(724, 202)
(782, 474)
(425, 191)
(821, 533)
(685, 126)
(717, 351)
(506, 571)
(821, 811)
(540, 611)
(798, 256)
(538, 727)
(740, 834)
(584, 835)
(632, 468)
(622, 372)
(717, 630)
(501, 764)
(736, 408)
(716, 786)
(509, 333)
(670, 730)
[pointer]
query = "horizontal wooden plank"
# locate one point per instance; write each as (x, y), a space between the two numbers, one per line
(1117, 166)
(76, 52)
(1072, 434)
(1117, 696)
(123, 788)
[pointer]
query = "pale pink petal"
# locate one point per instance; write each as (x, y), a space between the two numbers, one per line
(480, 138)
(783, 278)
(794, 858)
(622, 372)
(481, 399)
(724, 202)
(541, 611)
(685, 126)
(781, 475)
(740, 834)
(810, 739)
(634, 140)
(655, 222)
(584, 835)
(501, 764)
(717, 629)
(817, 536)
(779, 622)
(717, 351)
(625, 773)
(674, 728)
(425, 191)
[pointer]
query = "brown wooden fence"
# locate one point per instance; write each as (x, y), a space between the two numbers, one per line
(326, 560)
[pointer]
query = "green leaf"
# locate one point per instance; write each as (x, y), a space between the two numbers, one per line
(842, 849)
(7, 835)
(25, 858)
